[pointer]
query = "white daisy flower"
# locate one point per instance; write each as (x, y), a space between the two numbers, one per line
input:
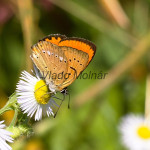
(5, 137)
(34, 97)
(135, 133)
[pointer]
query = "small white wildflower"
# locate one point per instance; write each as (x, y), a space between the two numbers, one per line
(5, 136)
(135, 133)
(34, 97)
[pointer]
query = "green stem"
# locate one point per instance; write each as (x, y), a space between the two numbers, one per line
(147, 102)
(14, 118)
(10, 104)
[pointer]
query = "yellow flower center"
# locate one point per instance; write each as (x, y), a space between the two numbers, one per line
(41, 92)
(144, 132)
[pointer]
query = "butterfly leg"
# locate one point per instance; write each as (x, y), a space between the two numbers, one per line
(59, 105)
(66, 92)
(39, 88)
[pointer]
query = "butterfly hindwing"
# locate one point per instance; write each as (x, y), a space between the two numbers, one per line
(77, 62)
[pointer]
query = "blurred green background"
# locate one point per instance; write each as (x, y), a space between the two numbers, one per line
(117, 28)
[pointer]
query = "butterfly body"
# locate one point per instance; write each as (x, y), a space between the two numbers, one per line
(58, 55)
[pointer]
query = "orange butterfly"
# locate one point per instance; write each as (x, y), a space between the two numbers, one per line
(61, 59)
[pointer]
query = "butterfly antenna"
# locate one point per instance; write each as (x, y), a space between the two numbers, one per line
(57, 98)
(48, 93)
(59, 106)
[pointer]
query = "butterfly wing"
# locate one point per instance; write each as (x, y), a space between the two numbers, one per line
(70, 56)
(51, 61)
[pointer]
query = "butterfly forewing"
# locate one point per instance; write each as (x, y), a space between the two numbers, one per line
(51, 61)
(37, 58)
